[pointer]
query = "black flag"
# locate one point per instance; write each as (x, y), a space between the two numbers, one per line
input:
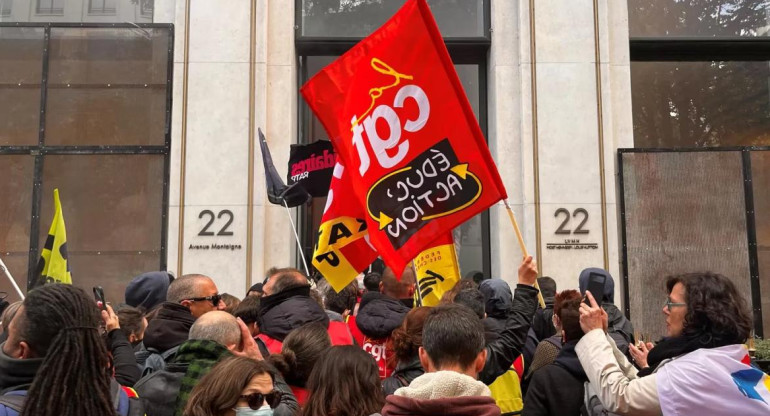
(277, 192)
(311, 165)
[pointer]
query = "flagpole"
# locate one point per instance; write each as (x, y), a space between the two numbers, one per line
(13, 282)
(296, 236)
(417, 283)
(523, 248)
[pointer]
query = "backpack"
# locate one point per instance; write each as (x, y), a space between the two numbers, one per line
(156, 360)
(592, 406)
(12, 402)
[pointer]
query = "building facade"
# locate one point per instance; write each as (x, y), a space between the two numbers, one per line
(558, 87)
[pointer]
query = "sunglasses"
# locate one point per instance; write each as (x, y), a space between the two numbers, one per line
(213, 298)
(255, 400)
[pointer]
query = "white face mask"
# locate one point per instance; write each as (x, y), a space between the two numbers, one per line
(247, 411)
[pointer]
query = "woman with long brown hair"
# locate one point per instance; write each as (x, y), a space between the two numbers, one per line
(405, 344)
(344, 382)
(236, 386)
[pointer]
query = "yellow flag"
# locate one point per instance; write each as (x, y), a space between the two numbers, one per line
(437, 270)
(53, 266)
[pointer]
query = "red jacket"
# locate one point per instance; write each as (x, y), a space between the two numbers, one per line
(378, 349)
(357, 335)
(338, 332)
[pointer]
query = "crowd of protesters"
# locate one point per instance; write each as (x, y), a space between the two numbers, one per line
(295, 346)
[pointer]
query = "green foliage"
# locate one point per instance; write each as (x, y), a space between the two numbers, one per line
(762, 349)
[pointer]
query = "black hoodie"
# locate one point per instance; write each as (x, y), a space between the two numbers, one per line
(557, 389)
(379, 315)
(170, 328)
(283, 312)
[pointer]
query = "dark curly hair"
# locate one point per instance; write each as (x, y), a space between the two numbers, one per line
(716, 312)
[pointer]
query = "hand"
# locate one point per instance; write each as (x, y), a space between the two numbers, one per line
(345, 315)
(528, 271)
(639, 354)
(593, 316)
(110, 319)
(249, 348)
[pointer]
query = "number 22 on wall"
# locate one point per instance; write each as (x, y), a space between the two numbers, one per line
(579, 230)
(204, 232)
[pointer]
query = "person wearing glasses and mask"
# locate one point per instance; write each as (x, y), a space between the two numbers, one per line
(700, 368)
(237, 387)
(215, 337)
(187, 298)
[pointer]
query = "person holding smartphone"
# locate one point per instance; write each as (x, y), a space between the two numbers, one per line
(706, 371)
(620, 328)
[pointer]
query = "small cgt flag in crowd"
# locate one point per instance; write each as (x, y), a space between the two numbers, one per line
(402, 126)
(53, 266)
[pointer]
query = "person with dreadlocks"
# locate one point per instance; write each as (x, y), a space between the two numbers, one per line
(56, 335)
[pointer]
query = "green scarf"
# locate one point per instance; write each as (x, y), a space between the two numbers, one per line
(200, 355)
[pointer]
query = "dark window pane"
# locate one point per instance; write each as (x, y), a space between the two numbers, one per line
(469, 237)
(101, 6)
(113, 210)
(359, 18)
(5, 7)
(760, 179)
(107, 87)
(55, 7)
(146, 8)
(700, 104)
(21, 54)
(17, 173)
(698, 18)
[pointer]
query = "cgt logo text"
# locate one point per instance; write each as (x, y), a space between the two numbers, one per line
(432, 185)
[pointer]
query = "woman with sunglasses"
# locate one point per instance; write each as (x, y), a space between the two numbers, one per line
(237, 386)
(700, 368)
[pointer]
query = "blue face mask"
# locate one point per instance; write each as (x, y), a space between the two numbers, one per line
(247, 411)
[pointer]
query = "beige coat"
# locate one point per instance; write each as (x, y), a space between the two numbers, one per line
(614, 378)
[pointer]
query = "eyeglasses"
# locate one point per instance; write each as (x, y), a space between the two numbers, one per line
(213, 298)
(669, 304)
(255, 400)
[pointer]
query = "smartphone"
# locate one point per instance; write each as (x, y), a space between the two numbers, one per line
(99, 295)
(596, 283)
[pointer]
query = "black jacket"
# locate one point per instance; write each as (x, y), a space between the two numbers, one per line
(170, 328)
(379, 315)
(557, 389)
(542, 322)
(283, 312)
(403, 376)
(619, 327)
(127, 373)
(502, 352)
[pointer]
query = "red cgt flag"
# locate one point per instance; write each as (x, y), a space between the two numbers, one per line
(342, 250)
(399, 120)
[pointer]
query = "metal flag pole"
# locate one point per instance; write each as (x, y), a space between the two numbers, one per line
(296, 236)
(8, 275)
